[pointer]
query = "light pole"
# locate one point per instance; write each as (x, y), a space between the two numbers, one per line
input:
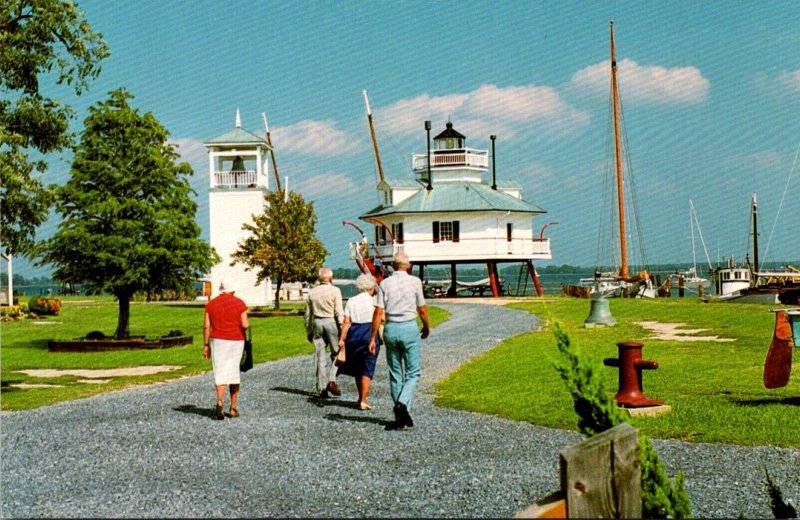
(428, 132)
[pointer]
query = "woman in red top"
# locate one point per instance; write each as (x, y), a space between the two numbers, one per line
(223, 342)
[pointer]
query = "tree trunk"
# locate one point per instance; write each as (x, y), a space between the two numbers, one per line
(123, 318)
(277, 305)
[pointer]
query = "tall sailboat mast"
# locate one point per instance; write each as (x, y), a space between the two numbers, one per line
(623, 248)
(374, 138)
(754, 205)
(271, 152)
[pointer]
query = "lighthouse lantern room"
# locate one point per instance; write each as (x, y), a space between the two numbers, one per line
(238, 168)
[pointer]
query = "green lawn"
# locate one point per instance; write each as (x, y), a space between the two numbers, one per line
(24, 346)
(715, 389)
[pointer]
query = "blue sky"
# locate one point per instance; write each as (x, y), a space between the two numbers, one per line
(710, 91)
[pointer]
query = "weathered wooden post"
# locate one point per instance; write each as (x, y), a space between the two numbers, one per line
(601, 477)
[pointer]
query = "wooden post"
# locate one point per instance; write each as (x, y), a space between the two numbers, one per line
(494, 284)
(535, 278)
(451, 292)
(601, 477)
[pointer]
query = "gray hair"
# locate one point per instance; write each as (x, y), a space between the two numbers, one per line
(325, 273)
(401, 259)
(365, 282)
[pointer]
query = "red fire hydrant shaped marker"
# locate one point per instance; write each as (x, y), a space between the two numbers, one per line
(630, 365)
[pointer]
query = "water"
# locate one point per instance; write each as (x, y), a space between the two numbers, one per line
(551, 283)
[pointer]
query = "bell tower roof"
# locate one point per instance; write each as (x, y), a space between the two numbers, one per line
(236, 136)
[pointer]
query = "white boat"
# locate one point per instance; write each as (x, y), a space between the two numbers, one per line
(691, 278)
(744, 284)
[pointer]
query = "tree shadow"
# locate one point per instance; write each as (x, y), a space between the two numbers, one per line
(8, 386)
(337, 417)
(190, 408)
(791, 401)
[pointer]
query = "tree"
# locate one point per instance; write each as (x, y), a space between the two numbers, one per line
(128, 217)
(283, 245)
(37, 37)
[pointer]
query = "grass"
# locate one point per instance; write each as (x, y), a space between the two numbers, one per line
(24, 346)
(715, 389)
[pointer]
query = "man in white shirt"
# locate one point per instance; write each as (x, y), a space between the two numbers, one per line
(323, 320)
(400, 300)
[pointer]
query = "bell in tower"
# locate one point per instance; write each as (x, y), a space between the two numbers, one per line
(237, 169)
(238, 164)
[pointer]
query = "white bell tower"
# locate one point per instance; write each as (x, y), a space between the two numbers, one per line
(237, 167)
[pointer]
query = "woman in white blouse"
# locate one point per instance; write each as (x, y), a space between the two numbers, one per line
(355, 335)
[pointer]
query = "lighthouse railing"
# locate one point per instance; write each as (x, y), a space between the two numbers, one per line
(443, 158)
(235, 178)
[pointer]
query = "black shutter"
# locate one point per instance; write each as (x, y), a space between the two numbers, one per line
(399, 234)
(455, 231)
(509, 229)
(435, 231)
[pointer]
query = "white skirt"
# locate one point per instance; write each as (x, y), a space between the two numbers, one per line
(226, 354)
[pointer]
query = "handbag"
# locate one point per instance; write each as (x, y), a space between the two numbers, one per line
(340, 357)
(246, 362)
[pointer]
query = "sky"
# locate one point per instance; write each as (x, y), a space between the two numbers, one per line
(710, 93)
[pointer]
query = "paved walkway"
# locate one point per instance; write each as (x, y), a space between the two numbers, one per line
(154, 452)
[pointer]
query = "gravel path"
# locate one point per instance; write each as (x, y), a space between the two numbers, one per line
(154, 452)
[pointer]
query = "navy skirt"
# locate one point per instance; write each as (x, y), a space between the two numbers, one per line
(358, 361)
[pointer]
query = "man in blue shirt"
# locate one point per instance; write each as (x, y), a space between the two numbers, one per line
(400, 301)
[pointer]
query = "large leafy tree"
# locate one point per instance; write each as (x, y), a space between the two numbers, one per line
(128, 216)
(283, 244)
(37, 38)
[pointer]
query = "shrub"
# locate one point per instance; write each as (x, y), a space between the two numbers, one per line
(44, 305)
(598, 412)
(12, 312)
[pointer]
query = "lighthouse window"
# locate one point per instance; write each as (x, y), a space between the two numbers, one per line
(397, 231)
(446, 231)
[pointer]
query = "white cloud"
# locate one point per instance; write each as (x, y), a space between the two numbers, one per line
(324, 186)
(790, 80)
(487, 110)
(520, 104)
(407, 115)
(308, 137)
(651, 84)
(191, 150)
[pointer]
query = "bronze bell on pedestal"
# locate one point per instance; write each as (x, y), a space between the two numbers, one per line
(237, 169)
(599, 314)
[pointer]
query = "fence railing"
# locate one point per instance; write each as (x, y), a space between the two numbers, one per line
(463, 157)
(468, 247)
(235, 178)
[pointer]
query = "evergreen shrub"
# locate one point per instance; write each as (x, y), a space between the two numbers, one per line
(598, 412)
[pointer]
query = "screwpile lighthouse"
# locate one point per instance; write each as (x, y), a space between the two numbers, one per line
(449, 214)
